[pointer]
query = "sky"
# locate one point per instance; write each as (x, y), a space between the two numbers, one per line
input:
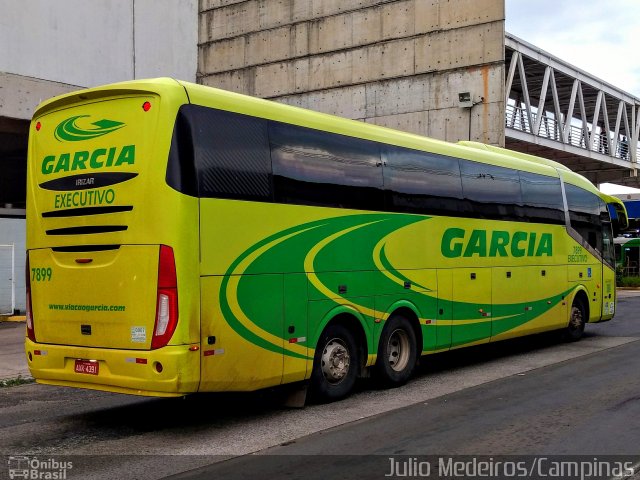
(600, 37)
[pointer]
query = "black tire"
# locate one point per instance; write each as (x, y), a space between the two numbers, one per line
(577, 321)
(336, 364)
(397, 352)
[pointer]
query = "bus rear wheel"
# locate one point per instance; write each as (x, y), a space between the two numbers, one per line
(577, 321)
(336, 364)
(397, 352)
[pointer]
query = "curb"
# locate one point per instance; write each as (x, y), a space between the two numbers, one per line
(13, 318)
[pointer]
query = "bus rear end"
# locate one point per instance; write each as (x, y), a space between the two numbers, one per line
(111, 249)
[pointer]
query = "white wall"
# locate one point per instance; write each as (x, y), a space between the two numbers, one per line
(89, 43)
(166, 39)
(12, 231)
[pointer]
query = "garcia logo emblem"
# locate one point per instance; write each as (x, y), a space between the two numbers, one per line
(68, 131)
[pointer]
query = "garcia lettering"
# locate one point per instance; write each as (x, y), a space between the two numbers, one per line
(81, 160)
(457, 242)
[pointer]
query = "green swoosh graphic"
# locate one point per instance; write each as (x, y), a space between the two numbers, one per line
(256, 314)
(67, 130)
(286, 252)
(390, 268)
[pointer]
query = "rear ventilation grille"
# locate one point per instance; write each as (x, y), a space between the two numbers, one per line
(87, 230)
(77, 212)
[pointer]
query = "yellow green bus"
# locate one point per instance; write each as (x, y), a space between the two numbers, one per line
(187, 239)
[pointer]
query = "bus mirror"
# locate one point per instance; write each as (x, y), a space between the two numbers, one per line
(615, 224)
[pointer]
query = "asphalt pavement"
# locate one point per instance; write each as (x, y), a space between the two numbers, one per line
(532, 395)
(13, 363)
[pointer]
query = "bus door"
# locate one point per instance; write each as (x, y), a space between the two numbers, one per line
(471, 306)
(608, 270)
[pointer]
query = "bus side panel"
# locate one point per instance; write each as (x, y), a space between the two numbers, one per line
(536, 311)
(239, 353)
(609, 293)
(589, 275)
(296, 332)
(595, 310)
(472, 306)
(445, 309)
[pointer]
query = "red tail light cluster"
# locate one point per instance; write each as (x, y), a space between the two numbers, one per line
(29, 314)
(167, 299)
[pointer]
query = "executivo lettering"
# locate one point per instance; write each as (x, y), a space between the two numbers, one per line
(85, 198)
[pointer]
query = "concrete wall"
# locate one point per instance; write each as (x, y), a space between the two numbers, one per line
(88, 43)
(20, 95)
(396, 63)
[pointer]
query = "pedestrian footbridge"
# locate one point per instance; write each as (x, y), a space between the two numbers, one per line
(558, 111)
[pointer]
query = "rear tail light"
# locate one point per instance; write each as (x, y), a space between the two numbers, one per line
(29, 313)
(167, 299)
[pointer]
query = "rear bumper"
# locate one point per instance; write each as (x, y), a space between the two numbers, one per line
(122, 371)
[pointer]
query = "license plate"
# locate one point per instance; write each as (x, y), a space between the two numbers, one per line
(89, 367)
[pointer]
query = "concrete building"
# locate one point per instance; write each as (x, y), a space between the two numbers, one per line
(441, 68)
(399, 63)
(56, 47)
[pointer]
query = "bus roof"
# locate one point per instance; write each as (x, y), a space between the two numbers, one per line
(513, 153)
(244, 104)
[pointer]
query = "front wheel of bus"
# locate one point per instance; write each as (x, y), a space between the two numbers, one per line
(577, 321)
(336, 364)
(397, 352)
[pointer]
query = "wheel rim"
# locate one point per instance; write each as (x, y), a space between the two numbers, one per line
(576, 322)
(335, 361)
(398, 349)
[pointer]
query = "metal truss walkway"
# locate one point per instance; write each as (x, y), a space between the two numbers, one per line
(558, 111)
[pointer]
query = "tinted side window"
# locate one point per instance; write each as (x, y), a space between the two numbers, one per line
(311, 167)
(494, 192)
(542, 198)
(181, 169)
(422, 182)
(230, 153)
(584, 213)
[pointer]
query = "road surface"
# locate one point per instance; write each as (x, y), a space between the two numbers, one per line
(534, 396)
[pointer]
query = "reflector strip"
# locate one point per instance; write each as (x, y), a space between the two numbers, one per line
(208, 353)
(141, 361)
(298, 340)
